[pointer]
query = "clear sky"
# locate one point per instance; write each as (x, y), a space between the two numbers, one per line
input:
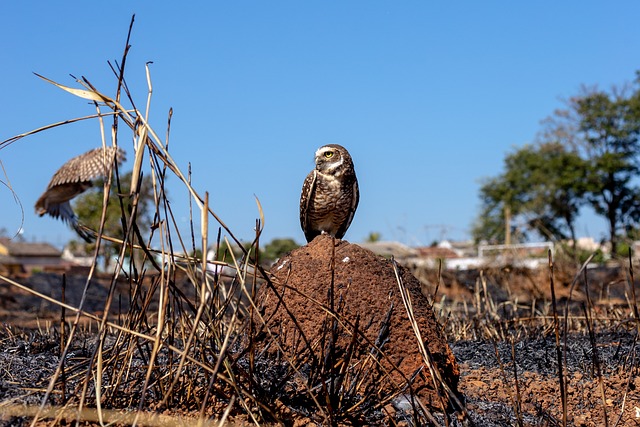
(427, 96)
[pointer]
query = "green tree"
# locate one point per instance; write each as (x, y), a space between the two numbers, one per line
(266, 255)
(588, 154)
(542, 189)
(224, 252)
(558, 189)
(88, 207)
(497, 203)
(276, 248)
(605, 128)
(373, 237)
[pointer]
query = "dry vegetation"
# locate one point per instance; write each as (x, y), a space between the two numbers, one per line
(544, 347)
(170, 341)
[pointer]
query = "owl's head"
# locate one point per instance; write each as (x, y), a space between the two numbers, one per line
(333, 159)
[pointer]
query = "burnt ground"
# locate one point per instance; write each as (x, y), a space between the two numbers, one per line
(520, 382)
(507, 333)
(490, 388)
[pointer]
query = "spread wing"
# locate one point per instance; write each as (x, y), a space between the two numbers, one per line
(65, 213)
(86, 167)
(73, 178)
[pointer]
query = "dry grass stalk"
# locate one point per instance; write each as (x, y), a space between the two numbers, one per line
(172, 333)
(109, 416)
(559, 348)
(181, 345)
(515, 400)
(447, 395)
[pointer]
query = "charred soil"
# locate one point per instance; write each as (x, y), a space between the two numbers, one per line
(497, 323)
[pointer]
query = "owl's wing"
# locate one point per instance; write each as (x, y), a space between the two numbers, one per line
(88, 166)
(73, 178)
(308, 188)
(64, 212)
(82, 232)
(352, 209)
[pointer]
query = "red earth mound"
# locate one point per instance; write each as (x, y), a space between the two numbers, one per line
(365, 292)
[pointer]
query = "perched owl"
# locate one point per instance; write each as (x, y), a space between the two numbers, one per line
(329, 194)
(72, 179)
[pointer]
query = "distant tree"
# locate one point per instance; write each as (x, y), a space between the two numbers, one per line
(266, 255)
(558, 188)
(498, 203)
(196, 254)
(276, 248)
(587, 154)
(542, 189)
(373, 237)
(88, 207)
(223, 252)
(605, 128)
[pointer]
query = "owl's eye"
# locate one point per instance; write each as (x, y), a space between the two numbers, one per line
(328, 154)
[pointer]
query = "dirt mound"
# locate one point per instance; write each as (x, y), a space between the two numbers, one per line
(365, 292)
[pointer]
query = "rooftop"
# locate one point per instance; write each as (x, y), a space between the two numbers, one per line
(25, 249)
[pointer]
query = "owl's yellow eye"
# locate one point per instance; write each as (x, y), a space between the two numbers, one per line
(328, 154)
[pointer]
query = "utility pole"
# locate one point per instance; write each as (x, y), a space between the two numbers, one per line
(507, 224)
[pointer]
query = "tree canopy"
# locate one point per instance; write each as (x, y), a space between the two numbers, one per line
(608, 131)
(269, 253)
(542, 188)
(587, 155)
(88, 207)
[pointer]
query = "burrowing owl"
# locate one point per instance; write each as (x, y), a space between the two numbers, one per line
(71, 180)
(329, 194)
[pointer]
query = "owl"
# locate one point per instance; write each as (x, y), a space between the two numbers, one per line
(72, 179)
(329, 194)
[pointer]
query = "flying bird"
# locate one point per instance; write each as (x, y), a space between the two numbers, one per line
(72, 179)
(329, 194)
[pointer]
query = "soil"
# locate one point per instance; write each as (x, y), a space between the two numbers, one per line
(506, 378)
(365, 291)
(490, 389)
(24, 309)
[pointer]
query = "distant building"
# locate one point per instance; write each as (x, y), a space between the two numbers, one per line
(445, 254)
(465, 255)
(77, 257)
(437, 252)
(23, 257)
(464, 248)
(389, 249)
(589, 244)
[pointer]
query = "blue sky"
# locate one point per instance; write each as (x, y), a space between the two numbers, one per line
(427, 96)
